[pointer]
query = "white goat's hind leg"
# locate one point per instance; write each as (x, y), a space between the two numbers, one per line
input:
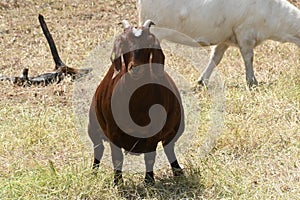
(215, 58)
(247, 54)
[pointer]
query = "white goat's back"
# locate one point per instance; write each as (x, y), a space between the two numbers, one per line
(211, 22)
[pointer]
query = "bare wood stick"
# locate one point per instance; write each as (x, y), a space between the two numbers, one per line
(59, 64)
(54, 52)
(61, 69)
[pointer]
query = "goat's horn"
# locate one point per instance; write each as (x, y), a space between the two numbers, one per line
(126, 24)
(148, 23)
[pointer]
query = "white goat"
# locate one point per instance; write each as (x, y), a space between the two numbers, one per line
(224, 23)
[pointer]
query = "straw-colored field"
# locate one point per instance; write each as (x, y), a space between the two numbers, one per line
(42, 155)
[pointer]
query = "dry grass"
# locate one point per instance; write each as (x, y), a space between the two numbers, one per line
(43, 157)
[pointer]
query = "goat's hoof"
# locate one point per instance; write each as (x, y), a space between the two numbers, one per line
(202, 82)
(118, 182)
(252, 87)
(177, 172)
(118, 179)
(95, 167)
(149, 180)
(94, 172)
(252, 83)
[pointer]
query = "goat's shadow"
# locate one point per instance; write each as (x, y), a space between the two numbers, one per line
(188, 186)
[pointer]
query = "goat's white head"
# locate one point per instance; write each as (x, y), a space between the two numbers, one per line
(137, 47)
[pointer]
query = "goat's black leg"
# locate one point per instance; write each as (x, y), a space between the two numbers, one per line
(117, 159)
(98, 152)
(149, 162)
(96, 135)
(169, 151)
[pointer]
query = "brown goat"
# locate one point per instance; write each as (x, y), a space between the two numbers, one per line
(134, 84)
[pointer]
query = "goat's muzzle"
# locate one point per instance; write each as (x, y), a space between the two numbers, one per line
(137, 71)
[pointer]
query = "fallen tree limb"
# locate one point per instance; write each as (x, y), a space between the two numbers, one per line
(61, 70)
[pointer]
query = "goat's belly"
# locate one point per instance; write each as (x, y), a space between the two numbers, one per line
(135, 145)
(204, 34)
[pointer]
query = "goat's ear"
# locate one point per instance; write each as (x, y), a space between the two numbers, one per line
(157, 57)
(116, 54)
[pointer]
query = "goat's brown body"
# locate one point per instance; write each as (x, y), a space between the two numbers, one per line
(139, 106)
(122, 108)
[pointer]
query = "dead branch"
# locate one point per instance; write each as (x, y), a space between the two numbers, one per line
(61, 70)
